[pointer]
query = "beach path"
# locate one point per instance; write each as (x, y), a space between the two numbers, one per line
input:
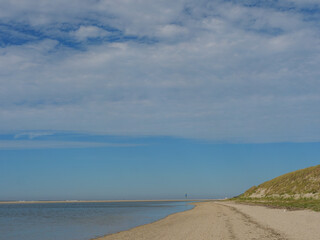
(208, 220)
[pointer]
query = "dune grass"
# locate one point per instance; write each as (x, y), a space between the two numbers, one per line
(298, 182)
(295, 190)
(288, 203)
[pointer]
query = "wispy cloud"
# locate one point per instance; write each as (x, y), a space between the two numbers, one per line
(28, 144)
(85, 32)
(221, 70)
(32, 135)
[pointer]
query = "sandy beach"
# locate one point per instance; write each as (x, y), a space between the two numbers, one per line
(223, 220)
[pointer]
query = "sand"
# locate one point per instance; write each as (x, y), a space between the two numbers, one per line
(216, 220)
(296, 225)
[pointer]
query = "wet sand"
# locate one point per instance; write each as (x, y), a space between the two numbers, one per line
(221, 221)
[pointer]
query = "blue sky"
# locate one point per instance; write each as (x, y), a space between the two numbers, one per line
(150, 91)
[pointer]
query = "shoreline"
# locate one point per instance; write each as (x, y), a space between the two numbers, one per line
(227, 220)
(103, 201)
(102, 237)
(145, 225)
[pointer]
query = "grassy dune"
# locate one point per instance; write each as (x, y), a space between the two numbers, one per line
(296, 190)
(291, 204)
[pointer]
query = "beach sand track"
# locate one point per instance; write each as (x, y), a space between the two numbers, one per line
(208, 220)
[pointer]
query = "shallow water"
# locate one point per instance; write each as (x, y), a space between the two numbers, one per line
(79, 221)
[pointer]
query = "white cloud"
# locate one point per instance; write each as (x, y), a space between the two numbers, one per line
(28, 144)
(215, 70)
(171, 31)
(85, 32)
(32, 135)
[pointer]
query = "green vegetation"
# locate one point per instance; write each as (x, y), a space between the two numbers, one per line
(295, 190)
(304, 181)
(291, 204)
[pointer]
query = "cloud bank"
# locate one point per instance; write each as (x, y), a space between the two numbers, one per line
(216, 70)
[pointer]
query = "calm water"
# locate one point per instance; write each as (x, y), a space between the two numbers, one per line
(79, 221)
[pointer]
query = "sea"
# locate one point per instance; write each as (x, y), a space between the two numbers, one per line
(79, 220)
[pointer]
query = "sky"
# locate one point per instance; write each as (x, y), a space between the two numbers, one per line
(107, 99)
